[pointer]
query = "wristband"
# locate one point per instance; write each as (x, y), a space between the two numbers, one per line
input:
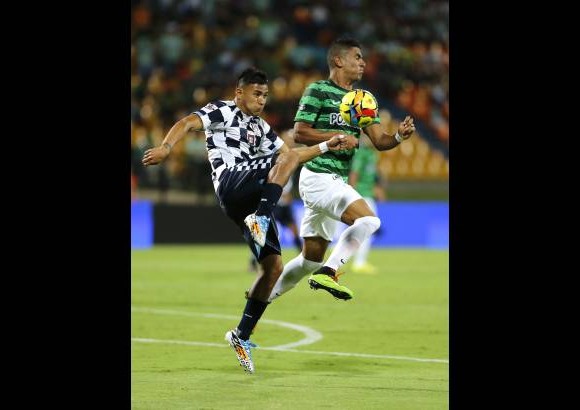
(167, 145)
(323, 147)
(398, 138)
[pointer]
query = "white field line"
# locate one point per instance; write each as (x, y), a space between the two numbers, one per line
(311, 337)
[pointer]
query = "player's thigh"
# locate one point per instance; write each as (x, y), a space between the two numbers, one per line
(326, 193)
(317, 222)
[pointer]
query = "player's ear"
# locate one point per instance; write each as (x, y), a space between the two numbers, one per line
(338, 61)
(239, 91)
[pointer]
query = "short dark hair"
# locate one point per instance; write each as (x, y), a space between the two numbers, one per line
(252, 75)
(338, 47)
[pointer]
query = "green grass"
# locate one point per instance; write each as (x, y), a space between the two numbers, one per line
(401, 311)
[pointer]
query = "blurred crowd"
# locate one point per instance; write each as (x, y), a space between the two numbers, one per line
(185, 53)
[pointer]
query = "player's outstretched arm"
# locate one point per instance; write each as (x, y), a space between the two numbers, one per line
(158, 154)
(336, 143)
(305, 134)
(383, 141)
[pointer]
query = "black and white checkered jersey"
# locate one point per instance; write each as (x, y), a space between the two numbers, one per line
(233, 137)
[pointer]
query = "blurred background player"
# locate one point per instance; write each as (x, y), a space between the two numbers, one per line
(283, 211)
(365, 179)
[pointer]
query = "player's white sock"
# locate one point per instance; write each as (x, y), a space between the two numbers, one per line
(351, 239)
(361, 255)
(293, 271)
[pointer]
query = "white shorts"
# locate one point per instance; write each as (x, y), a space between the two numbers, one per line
(325, 197)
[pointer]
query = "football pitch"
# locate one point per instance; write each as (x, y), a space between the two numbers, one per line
(388, 348)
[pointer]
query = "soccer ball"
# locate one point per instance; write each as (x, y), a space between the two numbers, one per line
(358, 108)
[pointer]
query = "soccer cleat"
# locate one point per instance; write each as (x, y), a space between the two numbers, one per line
(258, 226)
(319, 280)
(243, 349)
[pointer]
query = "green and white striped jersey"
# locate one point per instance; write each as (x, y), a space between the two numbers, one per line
(319, 106)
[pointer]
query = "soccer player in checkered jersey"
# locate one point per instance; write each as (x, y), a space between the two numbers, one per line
(323, 185)
(250, 165)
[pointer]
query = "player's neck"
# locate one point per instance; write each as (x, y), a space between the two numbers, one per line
(242, 109)
(340, 79)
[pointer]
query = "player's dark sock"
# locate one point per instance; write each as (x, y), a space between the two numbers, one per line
(325, 270)
(252, 313)
(270, 196)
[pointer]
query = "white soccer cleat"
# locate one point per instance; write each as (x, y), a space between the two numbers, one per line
(243, 349)
(258, 226)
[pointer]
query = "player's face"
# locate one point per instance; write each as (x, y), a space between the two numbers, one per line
(354, 65)
(252, 98)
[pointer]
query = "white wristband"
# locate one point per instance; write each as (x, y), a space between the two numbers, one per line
(323, 147)
(398, 138)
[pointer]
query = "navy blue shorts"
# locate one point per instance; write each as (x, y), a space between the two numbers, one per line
(239, 192)
(284, 214)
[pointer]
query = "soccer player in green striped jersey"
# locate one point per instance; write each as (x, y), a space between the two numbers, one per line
(323, 185)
